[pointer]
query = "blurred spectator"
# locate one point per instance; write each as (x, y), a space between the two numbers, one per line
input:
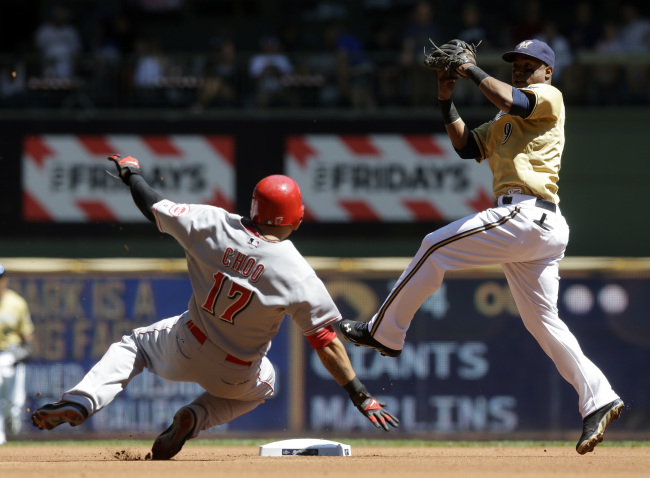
(355, 70)
(473, 31)
(383, 43)
(106, 64)
(290, 37)
(104, 45)
(149, 68)
(635, 37)
(157, 10)
(148, 72)
(560, 45)
(323, 61)
(610, 42)
(112, 64)
(607, 77)
(221, 77)
(419, 82)
(531, 23)
(635, 29)
(59, 44)
(123, 33)
(266, 69)
(585, 30)
(393, 34)
(13, 85)
(16, 347)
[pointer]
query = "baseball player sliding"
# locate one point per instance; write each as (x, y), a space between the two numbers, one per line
(246, 276)
(525, 231)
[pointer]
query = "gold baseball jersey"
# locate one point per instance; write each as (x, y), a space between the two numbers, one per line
(524, 153)
(15, 320)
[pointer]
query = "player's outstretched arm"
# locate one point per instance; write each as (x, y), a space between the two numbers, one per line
(143, 195)
(336, 361)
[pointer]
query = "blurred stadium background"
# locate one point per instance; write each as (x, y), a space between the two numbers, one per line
(212, 95)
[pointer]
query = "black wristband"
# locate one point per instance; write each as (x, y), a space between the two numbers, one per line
(475, 74)
(448, 110)
(357, 391)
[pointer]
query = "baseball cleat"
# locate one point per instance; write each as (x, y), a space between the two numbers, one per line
(54, 414)
(595, 424)
(358, 334)
(170, 442)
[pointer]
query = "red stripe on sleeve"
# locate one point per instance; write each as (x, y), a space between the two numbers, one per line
(321, 338)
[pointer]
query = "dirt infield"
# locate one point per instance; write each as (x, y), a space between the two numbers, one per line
(103, 461)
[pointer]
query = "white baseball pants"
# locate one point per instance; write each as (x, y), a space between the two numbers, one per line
(169, 349)
(12, 397)
(528, 241)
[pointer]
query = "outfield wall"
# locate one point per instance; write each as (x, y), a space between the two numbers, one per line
(468, 367)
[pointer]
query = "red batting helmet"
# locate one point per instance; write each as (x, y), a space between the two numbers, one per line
(277, 201)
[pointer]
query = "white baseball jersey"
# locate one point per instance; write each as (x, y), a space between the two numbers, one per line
(242, 284)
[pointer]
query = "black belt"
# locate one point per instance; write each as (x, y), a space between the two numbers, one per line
(539, 202)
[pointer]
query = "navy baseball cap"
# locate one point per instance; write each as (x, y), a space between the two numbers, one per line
(535, 48)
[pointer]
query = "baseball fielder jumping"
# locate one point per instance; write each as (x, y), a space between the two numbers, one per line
(246, 276)
(525, 231)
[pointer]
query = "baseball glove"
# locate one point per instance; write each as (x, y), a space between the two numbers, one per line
(451, 55)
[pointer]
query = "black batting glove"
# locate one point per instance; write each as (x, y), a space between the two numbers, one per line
(369, 406)
(126, 166)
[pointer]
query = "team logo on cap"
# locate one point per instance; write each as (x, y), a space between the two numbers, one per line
(524, 44)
